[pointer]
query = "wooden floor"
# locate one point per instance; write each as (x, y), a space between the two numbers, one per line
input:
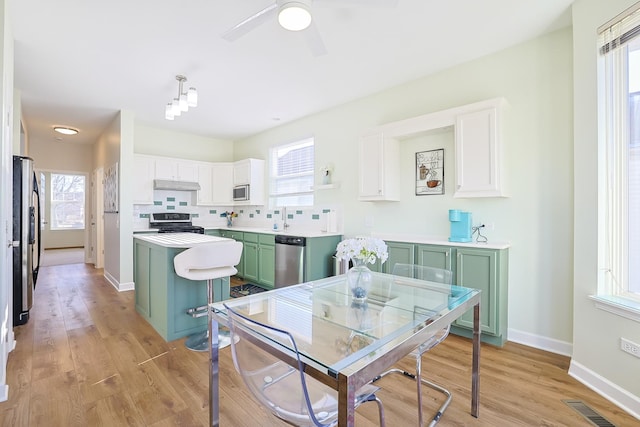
(86, 358)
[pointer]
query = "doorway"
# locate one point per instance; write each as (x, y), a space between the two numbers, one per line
(63, 226)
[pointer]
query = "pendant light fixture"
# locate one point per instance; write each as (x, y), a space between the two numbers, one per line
(295, 15)
(183, 101)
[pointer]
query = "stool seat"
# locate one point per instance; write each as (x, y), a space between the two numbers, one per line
(208, 261)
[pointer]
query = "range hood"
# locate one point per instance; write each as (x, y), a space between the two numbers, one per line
(166, 184)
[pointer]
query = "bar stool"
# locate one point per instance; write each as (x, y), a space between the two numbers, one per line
(208, 261)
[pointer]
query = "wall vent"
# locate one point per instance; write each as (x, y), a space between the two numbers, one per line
(592, 416)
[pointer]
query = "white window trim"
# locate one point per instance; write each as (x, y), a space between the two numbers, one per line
(612, 296)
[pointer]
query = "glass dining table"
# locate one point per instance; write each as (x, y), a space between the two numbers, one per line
(346, 342)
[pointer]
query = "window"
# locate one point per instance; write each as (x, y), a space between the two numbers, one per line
(619, 162)
(67, 202)
(291, 174)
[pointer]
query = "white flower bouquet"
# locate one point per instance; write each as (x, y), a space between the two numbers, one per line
(364, 249)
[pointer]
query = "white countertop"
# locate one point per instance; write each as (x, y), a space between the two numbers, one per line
(178, 240)
(288, 232)
(264, 230)
(438, 240)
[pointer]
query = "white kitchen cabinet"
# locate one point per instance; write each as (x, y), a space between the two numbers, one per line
(222, 188)
(175, 169)
(478, 154)
(205, 179)
(379, 161)
(242, 172)
(143, 174)
(250, 172)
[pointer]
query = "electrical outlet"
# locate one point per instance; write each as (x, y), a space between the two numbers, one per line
(630, 347)
(489, 226)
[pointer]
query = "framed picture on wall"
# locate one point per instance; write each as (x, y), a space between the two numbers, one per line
(430, 172)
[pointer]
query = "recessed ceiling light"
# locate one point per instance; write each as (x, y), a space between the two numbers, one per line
(65, 130)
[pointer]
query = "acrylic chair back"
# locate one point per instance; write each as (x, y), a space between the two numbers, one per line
(430, 274)
(281, 386)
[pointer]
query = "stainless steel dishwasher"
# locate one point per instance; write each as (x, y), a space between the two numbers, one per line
(290, 252)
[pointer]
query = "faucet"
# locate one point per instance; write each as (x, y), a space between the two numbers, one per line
(284, 218)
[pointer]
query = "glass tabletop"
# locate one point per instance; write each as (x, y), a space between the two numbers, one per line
(334, 330)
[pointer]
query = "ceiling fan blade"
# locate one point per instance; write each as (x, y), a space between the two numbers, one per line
(314, 40)
(250, 23)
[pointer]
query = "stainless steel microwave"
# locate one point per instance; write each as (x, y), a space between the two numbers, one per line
(240, 193)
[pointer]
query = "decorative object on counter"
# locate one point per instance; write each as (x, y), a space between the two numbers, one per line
(460, 226)
(326, 174)
(430, 172)
(480, 238)
(229, 216)
(361, 251)
(182, 102)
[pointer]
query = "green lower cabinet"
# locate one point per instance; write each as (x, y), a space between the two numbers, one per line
(399, 253)
(267, 260)
(318, 259)
(479, 268)
(259, 259)
(215, 233)
(484, 269)
(239, 237)
(435, 256)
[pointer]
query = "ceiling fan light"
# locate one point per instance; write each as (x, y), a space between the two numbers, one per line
(192, 97)
(168, 112)
(184, 106)
(294, 16)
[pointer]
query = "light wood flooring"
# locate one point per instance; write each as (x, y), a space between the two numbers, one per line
(86, 358)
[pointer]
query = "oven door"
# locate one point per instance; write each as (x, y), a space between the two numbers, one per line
(241, 193)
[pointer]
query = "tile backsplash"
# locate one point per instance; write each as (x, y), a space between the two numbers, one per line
(313, 218)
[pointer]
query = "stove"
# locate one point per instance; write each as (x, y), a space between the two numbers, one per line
(174, 222)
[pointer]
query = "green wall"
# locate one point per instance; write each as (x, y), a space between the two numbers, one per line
(536, 80)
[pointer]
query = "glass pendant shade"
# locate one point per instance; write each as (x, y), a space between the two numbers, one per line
(192, 97)
(175, 106)
(168, 112)
(183, 103)
(294, 16)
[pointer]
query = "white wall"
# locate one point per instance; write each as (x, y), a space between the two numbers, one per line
(63, 157)
(597, 358)
(160, 142)
(536, 80)
(6, 192)
(106, 154)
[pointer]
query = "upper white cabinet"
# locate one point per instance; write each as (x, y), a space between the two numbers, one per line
(143, 174)
(176, 170)
(222, 191)
(478, 154)
(205, 179)
(379, 168)
(478, 151)
(250, 172)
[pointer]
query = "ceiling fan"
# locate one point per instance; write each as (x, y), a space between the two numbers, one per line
(295, 15)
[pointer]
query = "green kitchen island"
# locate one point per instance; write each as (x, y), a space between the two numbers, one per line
(162, 297)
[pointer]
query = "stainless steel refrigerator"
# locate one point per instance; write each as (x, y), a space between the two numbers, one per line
(26, 237)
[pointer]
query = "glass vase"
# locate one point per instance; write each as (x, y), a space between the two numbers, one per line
(359, 278)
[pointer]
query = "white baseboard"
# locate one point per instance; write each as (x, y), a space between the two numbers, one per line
(120, 287)
(543, 343)
(605, 388)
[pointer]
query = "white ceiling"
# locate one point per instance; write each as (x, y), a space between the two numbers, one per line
(78, 62)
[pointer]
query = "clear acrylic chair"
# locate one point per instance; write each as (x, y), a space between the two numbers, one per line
(431, 274)
(288, 392)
